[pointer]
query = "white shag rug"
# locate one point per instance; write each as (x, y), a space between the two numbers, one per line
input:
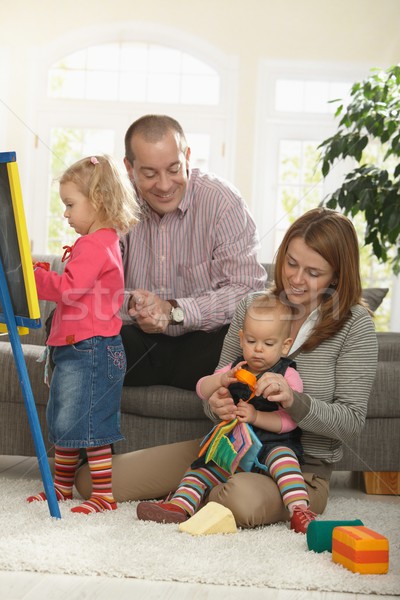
(116, 544)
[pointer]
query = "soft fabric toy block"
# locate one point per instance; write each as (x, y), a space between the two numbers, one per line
(231, 443)
(360, 549)
(319, 533)
(212, 518)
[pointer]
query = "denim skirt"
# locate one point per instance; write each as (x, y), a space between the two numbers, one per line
(85, 393)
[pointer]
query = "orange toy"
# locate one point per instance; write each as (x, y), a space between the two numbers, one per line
(246, 377)
(360, 549)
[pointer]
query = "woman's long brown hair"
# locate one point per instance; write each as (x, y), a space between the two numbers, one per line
(332, 235)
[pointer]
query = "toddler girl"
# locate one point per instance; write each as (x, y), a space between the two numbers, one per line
(87, 351)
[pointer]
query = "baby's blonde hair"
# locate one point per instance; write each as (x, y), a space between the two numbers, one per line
(108, 190)
(269, 303)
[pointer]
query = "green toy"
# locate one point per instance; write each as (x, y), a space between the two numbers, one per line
(319, 533)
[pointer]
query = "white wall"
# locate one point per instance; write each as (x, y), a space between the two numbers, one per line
(333, 30)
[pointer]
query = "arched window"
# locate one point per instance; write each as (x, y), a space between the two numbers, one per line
(93, 93)
(134, 72)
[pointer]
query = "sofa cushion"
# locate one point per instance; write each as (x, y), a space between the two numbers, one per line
(11, 391)
(162, 401)
(374, 296)
(389, 347)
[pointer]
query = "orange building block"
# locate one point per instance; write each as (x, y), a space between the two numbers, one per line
(360, 549)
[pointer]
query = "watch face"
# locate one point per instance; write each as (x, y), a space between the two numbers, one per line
(177, 315)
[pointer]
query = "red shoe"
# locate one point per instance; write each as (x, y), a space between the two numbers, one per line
(301, 518)
(161, 512)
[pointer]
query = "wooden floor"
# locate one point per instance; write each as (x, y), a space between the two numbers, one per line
(39, 586)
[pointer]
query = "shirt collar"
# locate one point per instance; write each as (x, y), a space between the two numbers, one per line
(186, 199)
(305, 330)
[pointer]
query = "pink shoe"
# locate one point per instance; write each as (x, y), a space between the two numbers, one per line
(301, 518)
(161, 512)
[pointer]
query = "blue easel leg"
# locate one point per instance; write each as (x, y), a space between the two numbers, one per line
(36, 430)
(28, 396)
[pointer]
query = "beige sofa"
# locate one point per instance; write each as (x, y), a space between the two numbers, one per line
(160, 414)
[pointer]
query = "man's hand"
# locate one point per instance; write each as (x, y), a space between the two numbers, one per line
(150, 312)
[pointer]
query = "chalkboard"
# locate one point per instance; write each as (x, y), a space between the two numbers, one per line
(14, 247)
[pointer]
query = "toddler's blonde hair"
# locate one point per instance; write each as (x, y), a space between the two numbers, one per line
(108, 190)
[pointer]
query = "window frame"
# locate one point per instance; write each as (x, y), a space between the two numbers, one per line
(218, 121)
(273, 126)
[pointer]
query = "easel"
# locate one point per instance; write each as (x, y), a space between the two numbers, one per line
(12, 322)
(33, 418)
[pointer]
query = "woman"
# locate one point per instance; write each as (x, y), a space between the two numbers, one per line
(335, 349)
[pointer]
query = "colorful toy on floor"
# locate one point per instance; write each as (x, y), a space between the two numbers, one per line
(212, 518)
(360, 549)
(319, 533)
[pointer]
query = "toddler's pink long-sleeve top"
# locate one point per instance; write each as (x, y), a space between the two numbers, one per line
(90, 292)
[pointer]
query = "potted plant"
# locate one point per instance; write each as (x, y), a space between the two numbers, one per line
(370, 126)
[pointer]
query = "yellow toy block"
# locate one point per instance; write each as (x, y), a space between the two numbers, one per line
(360, 549)
(212, 518)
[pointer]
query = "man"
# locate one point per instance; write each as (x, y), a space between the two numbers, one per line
(187, 263)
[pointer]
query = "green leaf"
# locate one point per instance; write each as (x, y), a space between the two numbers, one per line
(338, 110)
(325, 168)
(370, 236)
(331, 203)
(366, 197)
(377, 248)
(383, 177)
(359, 147)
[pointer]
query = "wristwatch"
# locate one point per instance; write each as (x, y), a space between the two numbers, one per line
(176, 315)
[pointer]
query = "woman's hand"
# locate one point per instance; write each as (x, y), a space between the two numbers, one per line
(274, 387)
(222, 404)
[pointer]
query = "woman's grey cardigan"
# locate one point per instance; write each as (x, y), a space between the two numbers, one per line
(337, 377)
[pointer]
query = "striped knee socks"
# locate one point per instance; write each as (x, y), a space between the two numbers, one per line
(284, 468)
(195, 484)
(99, 460)
(66, 460)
